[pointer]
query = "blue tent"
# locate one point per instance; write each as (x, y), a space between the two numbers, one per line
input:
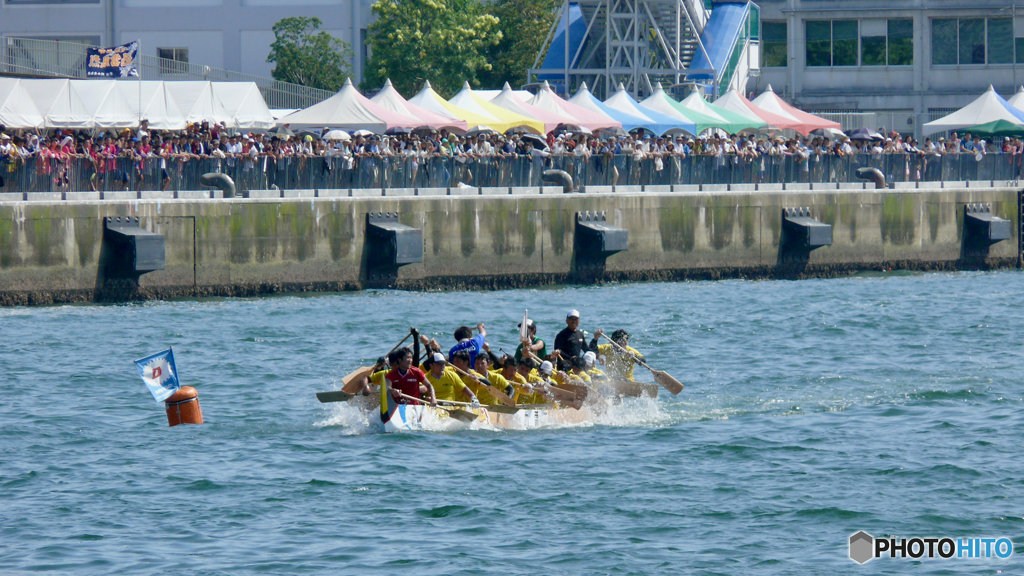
(586, 99)
(661, 123)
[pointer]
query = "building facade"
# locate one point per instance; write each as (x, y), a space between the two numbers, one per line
(230, 34)
(907, 61)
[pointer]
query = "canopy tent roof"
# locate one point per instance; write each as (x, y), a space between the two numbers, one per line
(661, 123)
(240, 105)
(1017, 100)
(989, 113)
(523, 95)
(151, 101)
(662, 102)
(104, 106)
(727, 120)
(504, 119)
(736, 103)
(546, 99)
(433, 102)
(16, 107)
(389, 98)
(770, 102)
(348, 110)
(629, 121)
(508, 100)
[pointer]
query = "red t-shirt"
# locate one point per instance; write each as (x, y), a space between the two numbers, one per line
(408, 383)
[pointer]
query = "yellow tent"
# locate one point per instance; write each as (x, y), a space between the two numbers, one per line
(505, 119)
(432, 101)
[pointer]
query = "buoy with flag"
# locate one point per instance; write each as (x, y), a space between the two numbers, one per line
(160, 375)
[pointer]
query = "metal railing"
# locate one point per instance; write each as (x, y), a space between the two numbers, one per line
(31, 56)
(300, 173)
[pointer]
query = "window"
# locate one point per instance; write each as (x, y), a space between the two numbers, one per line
(887, 42)
(966, 41)
(774, 44)
(173, 60)
(831, 42)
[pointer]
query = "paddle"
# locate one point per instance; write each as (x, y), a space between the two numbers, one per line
(456, 412)
(335, 396)
(560, 394)
(663, 378)
(501, 396)
(353, 383)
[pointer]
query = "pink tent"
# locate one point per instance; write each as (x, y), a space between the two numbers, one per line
(770, 102)
(389, 98)
(349, 110)
(736, 102)
(546, 99)
(509, 101)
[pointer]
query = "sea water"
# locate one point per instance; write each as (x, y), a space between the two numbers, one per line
(888, 403)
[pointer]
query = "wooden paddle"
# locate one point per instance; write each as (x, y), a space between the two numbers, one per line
(353, 383)
(501, 396)
(335, 396)
(560, 394)
(663, 378)
(455, 411)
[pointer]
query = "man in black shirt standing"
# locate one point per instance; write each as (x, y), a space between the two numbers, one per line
(570, 343)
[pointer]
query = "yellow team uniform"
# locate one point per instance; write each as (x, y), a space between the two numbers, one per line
(518, 382)
(619, 365)
(448, 386)
(580, 378)
(597, 374)
(483, 394)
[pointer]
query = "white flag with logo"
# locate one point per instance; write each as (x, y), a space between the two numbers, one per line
(159, 374)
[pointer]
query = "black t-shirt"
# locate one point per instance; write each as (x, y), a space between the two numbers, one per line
(573, 344)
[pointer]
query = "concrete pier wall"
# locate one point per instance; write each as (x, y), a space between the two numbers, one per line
(53, 250)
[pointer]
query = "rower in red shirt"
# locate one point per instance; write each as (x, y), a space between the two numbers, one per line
(408, 380)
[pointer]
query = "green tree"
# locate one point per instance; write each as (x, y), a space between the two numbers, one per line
(444, 41)
(524, 25)
(304, 56)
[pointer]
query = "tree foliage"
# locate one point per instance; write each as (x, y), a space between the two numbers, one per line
(444, 41)
(524, 25)
(304, 56)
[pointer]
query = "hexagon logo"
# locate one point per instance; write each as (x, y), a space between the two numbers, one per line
(862, 547)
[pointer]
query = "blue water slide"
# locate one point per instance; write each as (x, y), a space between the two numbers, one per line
(723, 28)
(555, 58)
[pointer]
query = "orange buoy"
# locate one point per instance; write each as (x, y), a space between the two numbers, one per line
(183, 407)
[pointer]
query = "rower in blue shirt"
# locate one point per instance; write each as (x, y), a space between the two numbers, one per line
(466, 341)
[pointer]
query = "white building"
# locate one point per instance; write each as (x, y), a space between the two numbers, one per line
(909, 60)
(229, 34)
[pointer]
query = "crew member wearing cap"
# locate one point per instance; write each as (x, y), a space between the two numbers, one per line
(619, 363)
(446, 383)
(593, 371)
(570, 342)
(408, 379)
(536, 346)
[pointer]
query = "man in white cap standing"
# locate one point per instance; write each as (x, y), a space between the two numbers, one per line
(571, 342)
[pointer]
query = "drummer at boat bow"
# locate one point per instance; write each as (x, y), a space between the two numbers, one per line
(466, 341)
(619, 364)
(408, 380)
(570, 343)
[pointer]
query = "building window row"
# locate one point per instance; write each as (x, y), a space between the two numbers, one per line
(966, 41)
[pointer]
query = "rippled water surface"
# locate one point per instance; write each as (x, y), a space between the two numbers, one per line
(812, 409)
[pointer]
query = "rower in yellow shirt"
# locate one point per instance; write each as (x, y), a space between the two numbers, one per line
(447, 384)
(577, 375)
(507, 369)
(472, 378)
(619, 364)
(526, 369)
(483, 369)
(595, 373)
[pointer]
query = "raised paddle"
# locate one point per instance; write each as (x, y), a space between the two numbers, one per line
(335, 396)
(353, 383)
(663, 378)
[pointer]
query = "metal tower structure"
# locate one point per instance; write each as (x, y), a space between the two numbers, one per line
(633, 42)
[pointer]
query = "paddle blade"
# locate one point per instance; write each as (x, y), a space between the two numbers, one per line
(502, 409)
(668, 382)
(354, 382)
(335, 396)
(524, 334)
(462, 415)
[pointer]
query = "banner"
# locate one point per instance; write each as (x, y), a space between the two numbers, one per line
(117, 62)
(159, 374)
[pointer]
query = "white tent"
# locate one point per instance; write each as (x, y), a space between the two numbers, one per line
(60, 106)
(989, 113)
(193, 98)
(389, 98)
(16, 107)
(240, 105)
(508, 100)
(150, 100)
(348, 110)
(546, 99)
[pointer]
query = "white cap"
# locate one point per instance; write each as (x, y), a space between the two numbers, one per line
(590, 358)
(438, 357)
(573, 314)
(546, 367)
